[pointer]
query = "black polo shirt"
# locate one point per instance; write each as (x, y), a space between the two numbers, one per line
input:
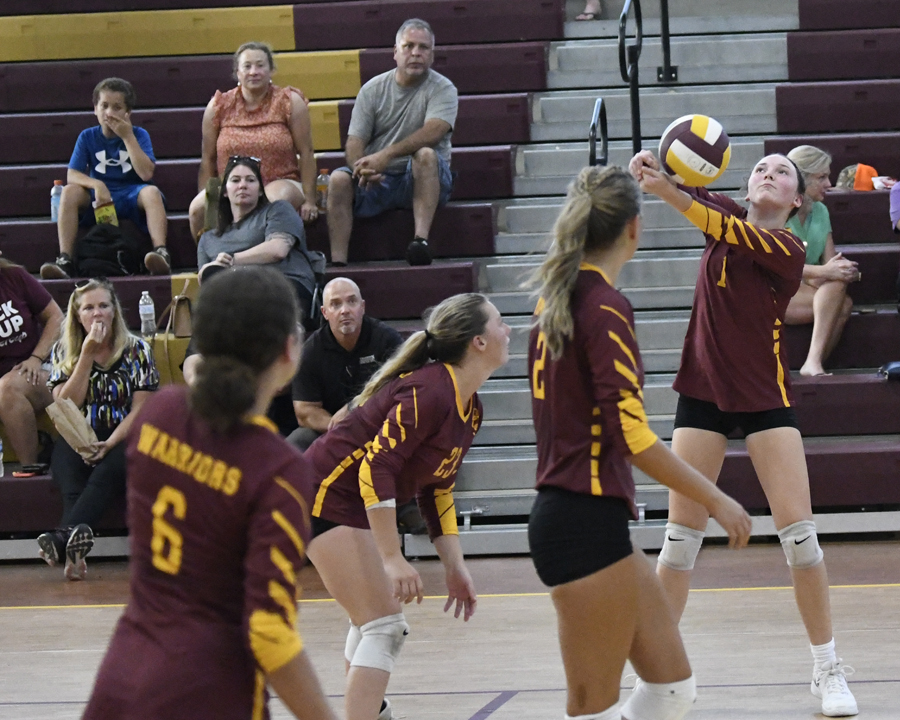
(332, 376)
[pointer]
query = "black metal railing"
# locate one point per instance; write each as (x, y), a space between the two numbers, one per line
(598, 122)
(628, 65)
(667, 73)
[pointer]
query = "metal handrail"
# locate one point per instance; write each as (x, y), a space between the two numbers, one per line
(667, 73)
(639, 37)
(629, 67)
(598, 119)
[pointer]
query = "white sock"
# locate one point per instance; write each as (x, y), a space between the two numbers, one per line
(823, 653)
(608, 714)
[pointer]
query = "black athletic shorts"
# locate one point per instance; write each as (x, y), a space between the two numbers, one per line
(573, 535)
(703, 415)
(321, 525)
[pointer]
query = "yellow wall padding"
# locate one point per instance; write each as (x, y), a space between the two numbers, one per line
(143, 33)
(193, 285)
(320, 75)
(168, 362)
(326, 130)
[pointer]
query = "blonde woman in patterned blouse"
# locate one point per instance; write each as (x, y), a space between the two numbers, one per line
(108, 373)
(261, 120)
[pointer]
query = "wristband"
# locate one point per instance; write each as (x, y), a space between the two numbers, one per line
(43, 360)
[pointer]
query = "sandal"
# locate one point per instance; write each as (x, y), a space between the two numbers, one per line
(590, 14)
(32, 470)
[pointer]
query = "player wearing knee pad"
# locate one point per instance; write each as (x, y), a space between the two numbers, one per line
(681, 546)
(801, 545)
(660, 701)
(380, 642)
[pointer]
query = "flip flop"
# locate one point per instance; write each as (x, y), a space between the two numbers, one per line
(586, 16)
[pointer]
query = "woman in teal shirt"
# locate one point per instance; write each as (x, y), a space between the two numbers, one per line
(822, 298)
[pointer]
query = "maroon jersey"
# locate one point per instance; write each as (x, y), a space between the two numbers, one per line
(407, 441)
(588, 405)
(734, 354)
(218, 526)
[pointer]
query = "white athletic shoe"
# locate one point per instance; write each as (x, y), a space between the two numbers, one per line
(385, 713)
(830, 683)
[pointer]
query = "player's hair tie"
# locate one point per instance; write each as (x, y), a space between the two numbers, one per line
(428, 336)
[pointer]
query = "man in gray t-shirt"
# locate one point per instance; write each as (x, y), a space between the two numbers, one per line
(398, 146)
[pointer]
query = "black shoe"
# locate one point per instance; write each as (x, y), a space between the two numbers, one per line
(157, 261)
(418, 252)
(53, 546)
(80, 543)
(62, 269)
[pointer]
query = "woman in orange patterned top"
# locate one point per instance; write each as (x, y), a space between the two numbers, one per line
(261, 120)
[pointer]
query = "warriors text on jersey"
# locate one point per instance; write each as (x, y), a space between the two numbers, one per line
(407, 441)
(219, 525)
(734, 354)
(588, 405)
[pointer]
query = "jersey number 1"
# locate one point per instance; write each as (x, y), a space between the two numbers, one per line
(537, 379)
(167, 541)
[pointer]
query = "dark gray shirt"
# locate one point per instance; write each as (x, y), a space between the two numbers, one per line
(276, 217)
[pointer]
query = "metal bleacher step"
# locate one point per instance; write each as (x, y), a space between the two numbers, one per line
(690, 16)
(547, 169)
(743, 109)
(700, 59)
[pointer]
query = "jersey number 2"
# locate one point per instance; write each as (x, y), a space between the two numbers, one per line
(537, 379)
(167, 541)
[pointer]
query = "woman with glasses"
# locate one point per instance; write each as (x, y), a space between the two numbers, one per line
(251, 230)
(218, 513)
(108, 373)
(263, 120)
(822, 298)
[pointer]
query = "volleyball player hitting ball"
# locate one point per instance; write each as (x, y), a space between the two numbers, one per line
(734, 374)
(412, 425)
(586, 381)
(218, 515)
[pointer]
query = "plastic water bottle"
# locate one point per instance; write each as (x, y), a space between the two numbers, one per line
(55, 197)
(148, 315)
(322, 190)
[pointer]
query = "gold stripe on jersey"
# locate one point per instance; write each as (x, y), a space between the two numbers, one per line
(626, 372)
(263, 422)
(710, 222)
(274, 643)
(290, 531)
(335, 474)
(616, 339)
(415, 408)
(633, 418)
(621, 317)
(596, 269)
(180, 456)
(259, 696)
(294, 493)
(779, 376)
(463, 412)
(443, 501)
(286, 600)
(282, 563)
(596, 447)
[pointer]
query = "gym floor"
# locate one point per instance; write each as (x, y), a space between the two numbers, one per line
(742, 630)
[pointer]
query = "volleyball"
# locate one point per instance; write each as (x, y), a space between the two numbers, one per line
(695, 150)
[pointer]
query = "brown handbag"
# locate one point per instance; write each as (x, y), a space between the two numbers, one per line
(177, 316)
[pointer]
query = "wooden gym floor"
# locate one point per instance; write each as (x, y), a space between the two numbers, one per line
(741, 628)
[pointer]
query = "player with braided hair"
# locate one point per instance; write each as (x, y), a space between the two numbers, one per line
(587, 401)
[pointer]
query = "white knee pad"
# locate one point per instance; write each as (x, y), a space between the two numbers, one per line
(353, 638)
(801, 544)
(380, 642)
(680, 548)
(608, 714)
(660, 701)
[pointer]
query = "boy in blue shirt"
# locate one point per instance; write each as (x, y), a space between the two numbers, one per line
(112, 162)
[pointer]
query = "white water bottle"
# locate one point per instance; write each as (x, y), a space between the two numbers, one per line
(147, 311)
(55, 197)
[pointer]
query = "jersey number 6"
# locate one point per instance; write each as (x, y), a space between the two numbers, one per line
(164, 534)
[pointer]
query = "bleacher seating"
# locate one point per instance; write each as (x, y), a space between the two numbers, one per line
(824, 77)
